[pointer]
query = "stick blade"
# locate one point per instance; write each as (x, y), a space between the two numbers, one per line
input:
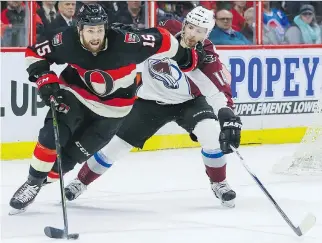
(307, 223)
(54, 233)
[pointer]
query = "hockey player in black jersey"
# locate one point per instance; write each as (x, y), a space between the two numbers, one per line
(94, 92)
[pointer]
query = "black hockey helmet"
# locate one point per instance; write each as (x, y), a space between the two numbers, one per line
(92, 14)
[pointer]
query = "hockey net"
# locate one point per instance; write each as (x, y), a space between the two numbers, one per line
(307, 158)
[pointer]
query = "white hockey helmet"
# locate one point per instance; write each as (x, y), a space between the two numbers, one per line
(201, 17)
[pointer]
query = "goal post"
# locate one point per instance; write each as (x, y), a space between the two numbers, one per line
(307, 158)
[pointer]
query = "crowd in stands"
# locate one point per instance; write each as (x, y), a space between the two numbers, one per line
(284, 22)
(13, 24)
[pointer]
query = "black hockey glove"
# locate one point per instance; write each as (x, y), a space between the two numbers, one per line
(230, 130)
(190, 59)
(201, 53)
(48, 86)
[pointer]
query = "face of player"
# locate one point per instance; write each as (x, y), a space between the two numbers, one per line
(92, 37)
(192, 34)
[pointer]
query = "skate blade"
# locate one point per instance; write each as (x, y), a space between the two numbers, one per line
(15, 211)
(228, 204)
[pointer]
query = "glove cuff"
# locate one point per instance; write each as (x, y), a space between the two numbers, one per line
(225, 114)
(193, 62)
(47, 78)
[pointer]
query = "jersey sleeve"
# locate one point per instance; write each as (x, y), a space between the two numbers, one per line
(155, 41)
(213, 80)
(40, 56)
(172, 25)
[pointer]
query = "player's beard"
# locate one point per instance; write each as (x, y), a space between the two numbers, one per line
(93, 45)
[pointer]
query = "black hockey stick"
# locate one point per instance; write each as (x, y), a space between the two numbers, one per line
(51, 231)
(307, 223)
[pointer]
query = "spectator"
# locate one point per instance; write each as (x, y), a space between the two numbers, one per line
(223, 5)
(65, 16)
(40, 29)
(223, 34)
(269, 36)
(211, 5)
(165, 12)
(134, 15)
(13, 17)
(183, 8)
(305, 29)
(238, 15)
(250, 4)
(3, 27)
(276, 20)
(47, 12)
(292, 8)
(249, 27)
(173, 10)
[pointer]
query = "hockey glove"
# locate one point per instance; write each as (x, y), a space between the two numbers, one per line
(230, 130)
(48, 86)
(201, 53)
(190, 59)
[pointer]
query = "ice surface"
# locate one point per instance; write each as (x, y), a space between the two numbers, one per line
(165, 197)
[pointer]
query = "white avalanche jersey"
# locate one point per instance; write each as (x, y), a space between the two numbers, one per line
(163, 81)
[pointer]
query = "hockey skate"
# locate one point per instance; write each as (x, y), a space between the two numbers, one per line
(224, 193)
(25, 195)
(74, 189)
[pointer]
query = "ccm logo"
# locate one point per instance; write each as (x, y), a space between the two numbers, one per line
(81, 148)
(41, 81)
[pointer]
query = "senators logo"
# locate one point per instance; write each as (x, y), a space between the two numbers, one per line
(131, 38)
(99, 82)
(58, 39)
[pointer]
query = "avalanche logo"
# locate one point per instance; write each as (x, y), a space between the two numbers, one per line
(165, 72)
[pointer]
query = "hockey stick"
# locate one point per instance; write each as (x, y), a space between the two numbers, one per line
(307, 223)
(51, 231)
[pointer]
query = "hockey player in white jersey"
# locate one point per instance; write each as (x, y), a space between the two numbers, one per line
(195, 101)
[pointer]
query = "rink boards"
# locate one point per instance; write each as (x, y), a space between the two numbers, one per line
(275, 91)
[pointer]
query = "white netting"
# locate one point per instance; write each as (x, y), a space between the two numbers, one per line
(307, 158)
